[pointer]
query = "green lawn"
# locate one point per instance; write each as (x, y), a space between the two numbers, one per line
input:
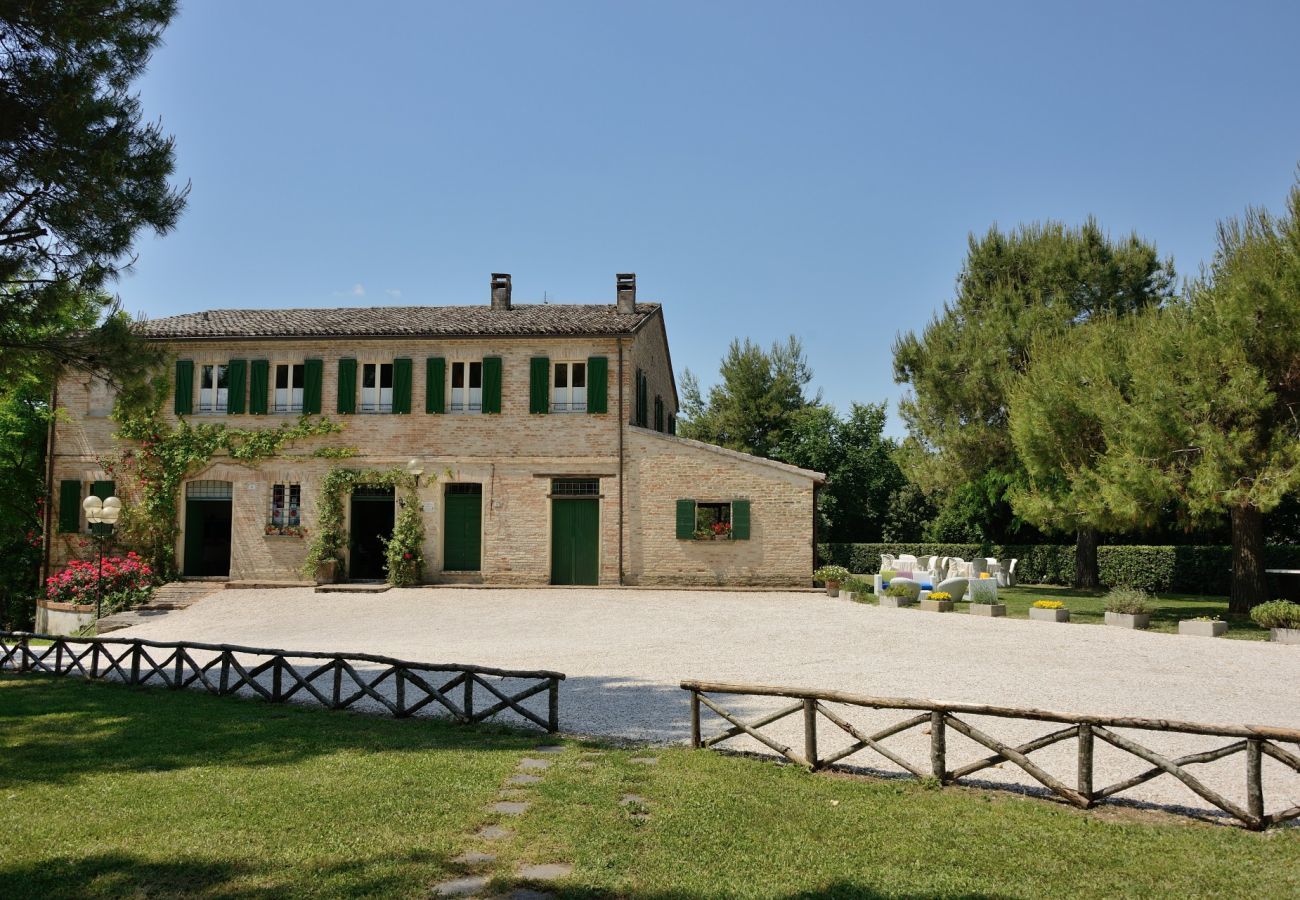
(1086, 608)
(114, 791)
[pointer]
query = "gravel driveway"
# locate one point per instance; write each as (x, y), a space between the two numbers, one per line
(625, 651)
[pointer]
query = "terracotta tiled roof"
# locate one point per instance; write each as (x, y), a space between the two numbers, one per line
(393, 321)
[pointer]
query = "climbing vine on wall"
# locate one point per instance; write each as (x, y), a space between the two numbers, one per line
(168, 454)
(403, 551)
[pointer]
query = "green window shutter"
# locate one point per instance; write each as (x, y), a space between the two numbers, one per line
(539, 384)
(740, 520)
(313, 373)
(685, 520)
(597, 384)
(259, 384)
(642, 399)
(659, 413)
(672, 424)
(184, 404)
(103, 489)
(402, 386)
(492, 384)
(237, 383)
(69, 506)
(435, 385)
(347, 386)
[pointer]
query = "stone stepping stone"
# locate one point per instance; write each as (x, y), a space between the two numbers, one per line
(509, 807)
(545, 871)
(493, 832)
(528, 894)
(523, 778)
(550, 748)
(474, 858)
(461, 887)
(629, 799)
(645, 760)
(536, 765)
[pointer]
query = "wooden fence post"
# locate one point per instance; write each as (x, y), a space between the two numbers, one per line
(468, 703)
(938, 747)
(810, 732)
(94, 660)
(400, 674)
(136, 650)
(225, 673)
(277, 678)
(1255, 781)
(1085, 761)
(58, 656)
(695, 720)
(553, 706)
(180, 669)
(338, 683)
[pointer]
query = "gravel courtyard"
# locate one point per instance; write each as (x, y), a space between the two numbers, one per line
(625, 652)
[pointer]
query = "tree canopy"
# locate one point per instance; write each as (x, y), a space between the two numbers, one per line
(81, 175)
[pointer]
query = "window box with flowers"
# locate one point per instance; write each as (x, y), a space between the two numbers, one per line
(287, 531)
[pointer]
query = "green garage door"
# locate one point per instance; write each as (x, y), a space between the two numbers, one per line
(575, 541)
(463, 528)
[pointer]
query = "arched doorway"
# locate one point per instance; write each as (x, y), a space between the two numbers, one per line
(207, 528)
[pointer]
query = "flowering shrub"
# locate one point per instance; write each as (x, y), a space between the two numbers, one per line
(286, 530)
(127, 581)
(832, 575)
(940, 596)
(1049, 604)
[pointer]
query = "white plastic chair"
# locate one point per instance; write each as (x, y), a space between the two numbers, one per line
(1007, 574)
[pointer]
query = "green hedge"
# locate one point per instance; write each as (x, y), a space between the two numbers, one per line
(1184, 569)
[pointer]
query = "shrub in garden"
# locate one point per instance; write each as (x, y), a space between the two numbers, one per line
(1130, 601)
(127, 581)
(856, 584)
(908, 591)
(1276, 614)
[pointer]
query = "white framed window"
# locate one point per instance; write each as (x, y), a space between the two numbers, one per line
(466, 387)
(289, 379)
(376, 388)
(286, 505)
(569, 387)
(213, 393)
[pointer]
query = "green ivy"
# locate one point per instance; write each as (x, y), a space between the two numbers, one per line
(168, 454)
(403, 551)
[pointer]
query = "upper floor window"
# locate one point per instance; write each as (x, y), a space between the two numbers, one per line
(213, 389)
(569, 391)
(377, 387)
(289, 381)
(466, 387)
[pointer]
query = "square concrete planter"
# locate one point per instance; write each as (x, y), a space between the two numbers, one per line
(1284, 635)
(1128, 620)
(1202, 628)
(988, 609)
(1049, 615)
(936, 605)
(896, 602)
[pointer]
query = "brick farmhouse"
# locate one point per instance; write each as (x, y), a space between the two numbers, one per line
(545, 434)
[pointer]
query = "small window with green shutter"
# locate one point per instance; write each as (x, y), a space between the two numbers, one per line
(184, 402)
(69, 506)
(402, 386)
(491, 384)
(659, 414)
(641, 411)
(713, 520)
(685, 520)
(237, 375)
(314, 374)
(539, 378)
(347, 393)
(435, 385)
(258, 386)
(598, 384)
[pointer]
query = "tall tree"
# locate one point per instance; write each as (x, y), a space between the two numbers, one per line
(1214, 417)
(81, 174)
(1041, 278)
(24, 417)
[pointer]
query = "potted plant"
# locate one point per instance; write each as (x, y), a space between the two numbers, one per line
(856, 588)
(900, 594)
(1203, 626)
(1049, 611)
(936, 601)
(832, 577)
(720, 531)
(327, 571)
(1128, 608)
(1281, 617)
(984, 598)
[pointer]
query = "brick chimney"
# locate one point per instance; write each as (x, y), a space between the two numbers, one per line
(625, 284)
(500, 291)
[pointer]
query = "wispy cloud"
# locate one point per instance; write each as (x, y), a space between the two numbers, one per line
(395, 293)
(358, 290)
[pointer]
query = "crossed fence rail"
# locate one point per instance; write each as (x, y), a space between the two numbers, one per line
(225, 669)
(1254, 741)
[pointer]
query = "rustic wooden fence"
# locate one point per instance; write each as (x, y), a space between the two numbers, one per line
(1255, 742)
(224, 669)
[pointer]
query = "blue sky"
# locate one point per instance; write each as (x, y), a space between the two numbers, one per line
(765, 169)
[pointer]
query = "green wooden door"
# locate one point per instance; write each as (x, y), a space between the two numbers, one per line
(463, 528)
(575, 541)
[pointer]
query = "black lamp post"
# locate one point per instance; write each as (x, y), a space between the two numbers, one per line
(103, 515)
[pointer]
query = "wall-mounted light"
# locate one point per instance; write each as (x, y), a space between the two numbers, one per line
(415, 469)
